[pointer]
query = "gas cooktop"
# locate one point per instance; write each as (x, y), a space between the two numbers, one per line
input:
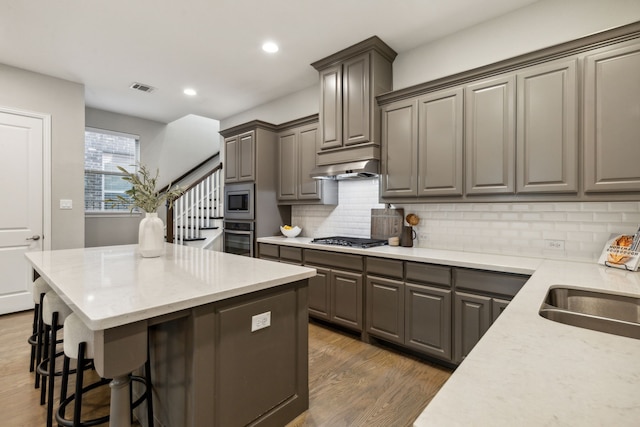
(355, 242)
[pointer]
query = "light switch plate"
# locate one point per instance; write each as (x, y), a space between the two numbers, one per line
(260, 321)
(66, 204)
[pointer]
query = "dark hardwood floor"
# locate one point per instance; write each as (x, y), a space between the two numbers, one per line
(350, 383)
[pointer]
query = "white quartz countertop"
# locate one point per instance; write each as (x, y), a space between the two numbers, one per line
(113, 285)
(530, 371)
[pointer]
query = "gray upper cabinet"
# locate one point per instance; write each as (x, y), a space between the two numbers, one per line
(612, 119)
(547, 139)
(349, 115)
(331, 107)
(357, 100)
(240, 157)
(399, 149)
(297, 147)
(440, 123)
(490, 136)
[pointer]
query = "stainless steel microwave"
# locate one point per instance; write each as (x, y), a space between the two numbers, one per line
(239, 201)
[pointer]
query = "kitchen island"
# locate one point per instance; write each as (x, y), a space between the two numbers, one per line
(227, 334)
(527, 370)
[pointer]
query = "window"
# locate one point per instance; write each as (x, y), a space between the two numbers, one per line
(104, 151)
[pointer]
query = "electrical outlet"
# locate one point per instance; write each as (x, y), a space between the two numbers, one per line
(66, 204)
(260, 321)
(557, 245)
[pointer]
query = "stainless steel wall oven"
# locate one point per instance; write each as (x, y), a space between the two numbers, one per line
(239, 237)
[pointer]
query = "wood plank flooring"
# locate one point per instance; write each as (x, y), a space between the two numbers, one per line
(350, 383)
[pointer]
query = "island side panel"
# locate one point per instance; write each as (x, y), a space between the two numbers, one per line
(262, 375)
(210, 369)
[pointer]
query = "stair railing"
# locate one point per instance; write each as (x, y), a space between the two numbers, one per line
(198, 207)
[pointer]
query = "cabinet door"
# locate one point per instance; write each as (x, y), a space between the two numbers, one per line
(231, 159)
(428, 320)
(440, 144)
(399, 149)
(385, 308)
(490, 136)
(497, 307)
(346, 299)
(246, 157)
(308, 188)
(472, 320)
(288, 165)
(331, 107)
(319, 294)
(612, 120)
(356, 100)
(547, 141)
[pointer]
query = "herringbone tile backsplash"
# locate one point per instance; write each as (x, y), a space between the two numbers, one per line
(523, 229)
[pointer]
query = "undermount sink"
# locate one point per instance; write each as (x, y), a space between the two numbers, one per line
(595, 310)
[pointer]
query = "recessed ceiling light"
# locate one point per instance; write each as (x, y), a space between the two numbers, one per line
(270, 47)
(190, 92)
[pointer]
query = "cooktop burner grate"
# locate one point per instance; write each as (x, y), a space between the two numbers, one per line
(355, 242)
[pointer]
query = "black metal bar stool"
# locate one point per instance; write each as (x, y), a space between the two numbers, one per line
(40, 288)
(54, 313)
(79, 345)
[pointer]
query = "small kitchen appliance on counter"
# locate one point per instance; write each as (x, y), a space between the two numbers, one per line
(354, 242)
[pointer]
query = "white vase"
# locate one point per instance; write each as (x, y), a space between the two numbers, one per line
(151, 236)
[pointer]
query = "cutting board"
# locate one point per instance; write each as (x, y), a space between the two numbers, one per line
(386, 222)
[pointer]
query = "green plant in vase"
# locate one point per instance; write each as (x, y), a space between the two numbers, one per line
(144, 195)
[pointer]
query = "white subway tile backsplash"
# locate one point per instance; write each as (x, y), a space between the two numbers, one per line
(501, 228)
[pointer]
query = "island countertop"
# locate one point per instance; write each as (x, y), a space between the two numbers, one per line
(527, 370)
(113, 285)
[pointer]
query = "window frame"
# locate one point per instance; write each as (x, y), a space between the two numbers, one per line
(127, 212)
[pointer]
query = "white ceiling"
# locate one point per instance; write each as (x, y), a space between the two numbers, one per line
(212, 45)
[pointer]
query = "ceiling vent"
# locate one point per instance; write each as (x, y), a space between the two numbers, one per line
(142, 87)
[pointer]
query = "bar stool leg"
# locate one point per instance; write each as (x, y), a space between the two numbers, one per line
(52, 367)
(77, 407)
(39, 342)
(44, 378)
(34, 332)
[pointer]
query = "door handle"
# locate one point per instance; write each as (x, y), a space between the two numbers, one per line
(35, 237)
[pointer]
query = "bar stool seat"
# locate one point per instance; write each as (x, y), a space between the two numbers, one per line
(54, 313)
(40, 288)
(79, 344)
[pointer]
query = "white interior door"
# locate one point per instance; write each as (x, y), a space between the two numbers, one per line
(23, 137)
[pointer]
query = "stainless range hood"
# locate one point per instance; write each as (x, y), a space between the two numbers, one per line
(350, 170)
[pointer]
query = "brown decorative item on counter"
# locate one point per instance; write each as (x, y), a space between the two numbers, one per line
(408, 234)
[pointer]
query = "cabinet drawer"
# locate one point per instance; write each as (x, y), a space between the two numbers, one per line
(291, 254)
(428, 273)
(268, 251)
(333, 259)
(488, 281)
(385, 267)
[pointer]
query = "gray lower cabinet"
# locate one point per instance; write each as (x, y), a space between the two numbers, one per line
(612, 119)
(428, 320)
(480, 297)
(472, 319)
(336, 292)
(416, 312)
(385, 308)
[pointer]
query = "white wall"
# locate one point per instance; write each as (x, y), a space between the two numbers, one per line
(173, 148)
(64, 101)
(539, 25)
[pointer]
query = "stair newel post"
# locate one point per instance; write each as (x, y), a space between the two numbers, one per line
(169, 223)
